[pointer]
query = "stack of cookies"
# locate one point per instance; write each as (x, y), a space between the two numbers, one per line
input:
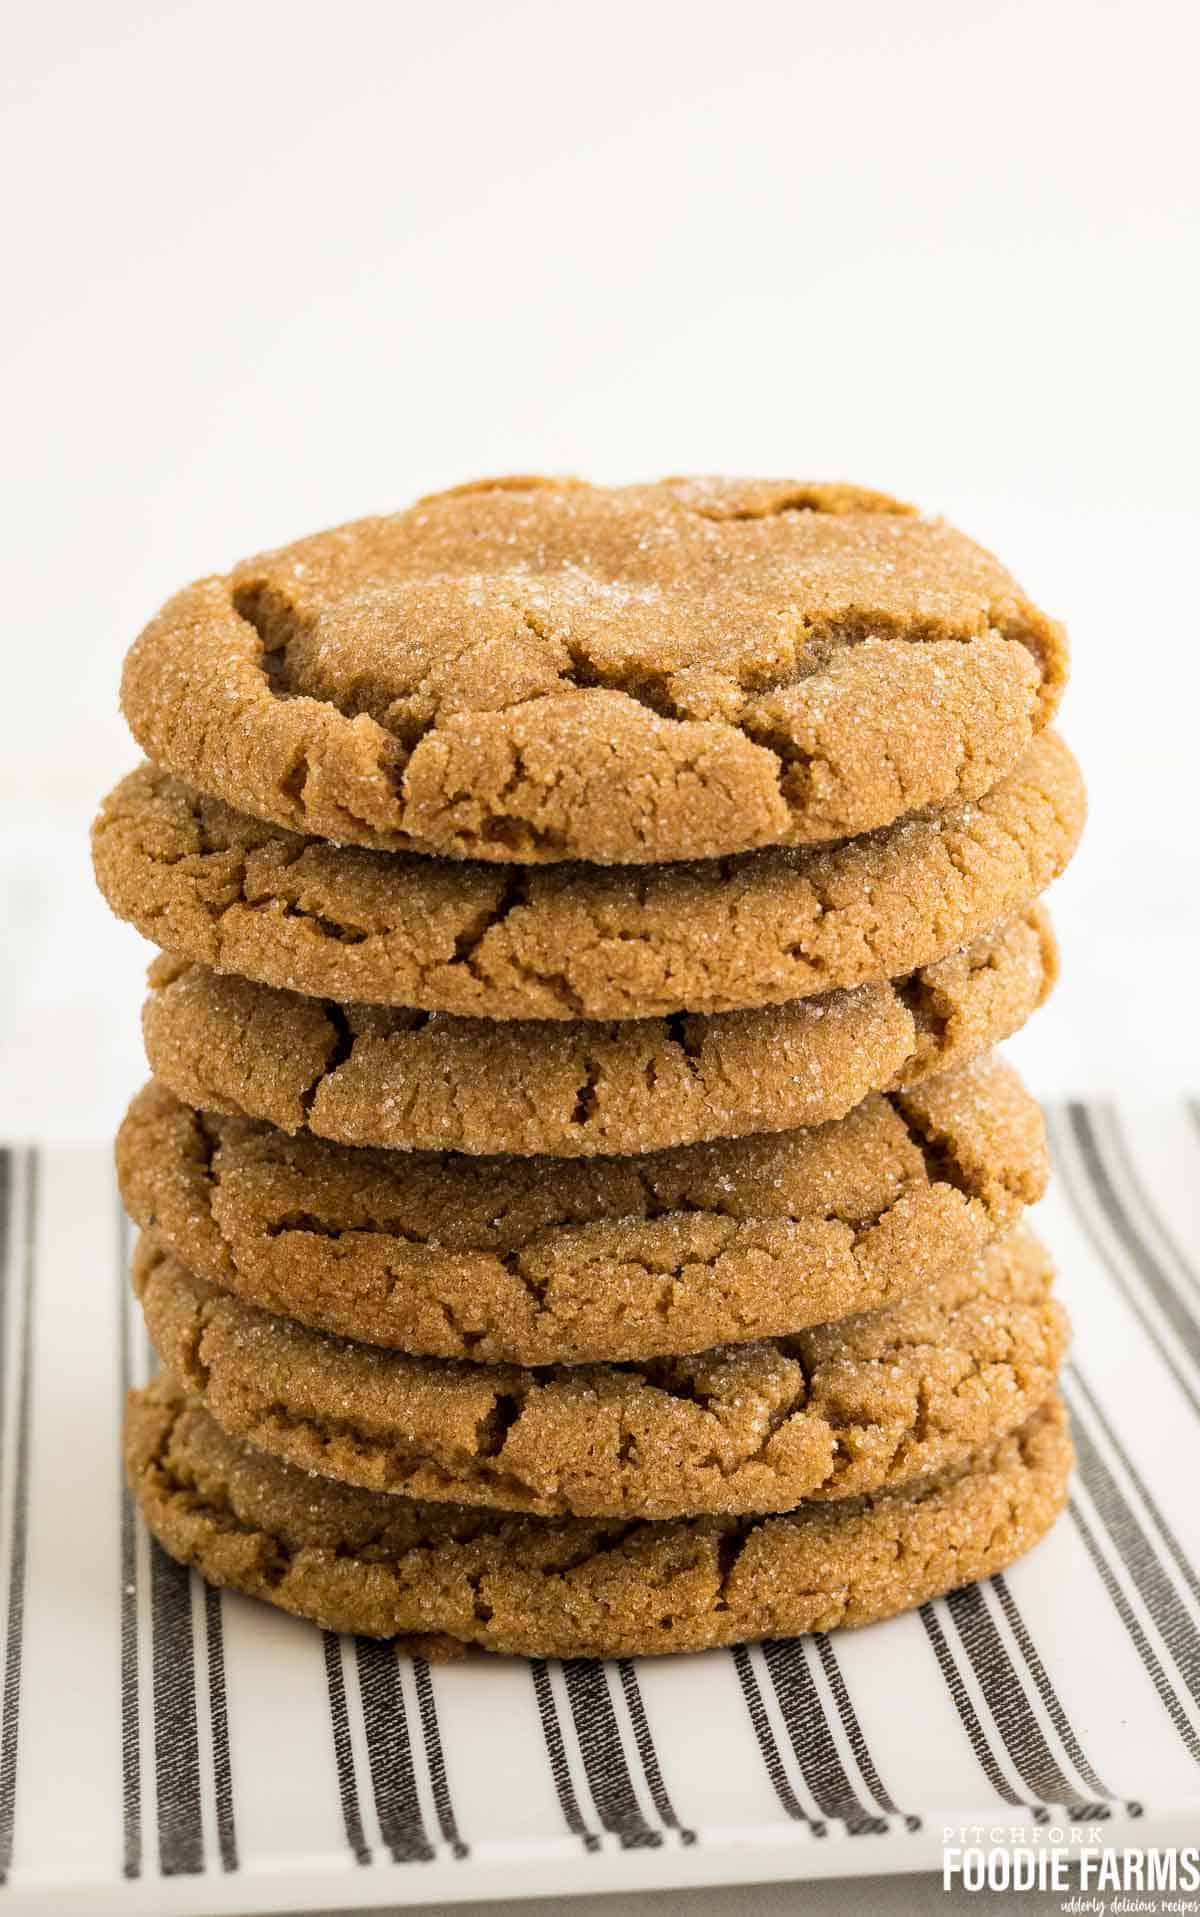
(581, 1210)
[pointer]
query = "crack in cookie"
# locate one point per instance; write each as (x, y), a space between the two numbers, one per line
(338, 922)
(372, 1075)
(539, 1260)
(549, 671)
(362, 1562)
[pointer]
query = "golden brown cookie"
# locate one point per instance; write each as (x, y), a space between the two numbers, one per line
(576, 942)
(540, 670)
(873, 1401)
(362, 1562)
(544, 1261)
(373, 1075)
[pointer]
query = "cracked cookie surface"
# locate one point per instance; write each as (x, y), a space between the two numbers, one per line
(537, 670)
(572, 942)
(371, 1075)
(872, 1401)
(542, 1260)
(363, 1562)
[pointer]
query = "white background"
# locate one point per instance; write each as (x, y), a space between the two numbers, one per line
(272, 265)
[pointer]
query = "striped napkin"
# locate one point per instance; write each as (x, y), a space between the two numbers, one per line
(167, 1748)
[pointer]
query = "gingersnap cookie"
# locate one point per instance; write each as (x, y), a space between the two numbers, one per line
(377, 1565)
(571, 942)
(879, 1399)
(541, 669)
(542, 1260)
(374, 1075)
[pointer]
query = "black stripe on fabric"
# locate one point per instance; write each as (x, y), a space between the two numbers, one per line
(1118, 1150)
(1148, 1500)
(854, 1733)
(603, 1754)
(767, 1746)
(218, 1712)
(390, 1753)
(173, 1693)
(1051, 1701)
(1011, 1712)
(1101, 1164)
(647, 1755)
(176, 1736)
(131, 1731)
(1063, 1158)
(343, 1750)
(812, 1740)
(1141, 1643)
(1129, 1539)
(14, 1648)
(556, 1753)
(1136, 1551)
(969, 1718)
(1133, 1546)
(16, 1584)
(1141, 1257)
(435, 1758)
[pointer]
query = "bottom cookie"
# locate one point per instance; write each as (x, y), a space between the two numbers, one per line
(383, 1565)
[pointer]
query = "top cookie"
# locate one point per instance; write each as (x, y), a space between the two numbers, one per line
(535, 670)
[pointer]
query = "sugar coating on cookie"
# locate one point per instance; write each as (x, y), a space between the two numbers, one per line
(409, 1080)
(536, 670)
(541, 1260)
(382, 1565)
(580, 942)
(877, 1399)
